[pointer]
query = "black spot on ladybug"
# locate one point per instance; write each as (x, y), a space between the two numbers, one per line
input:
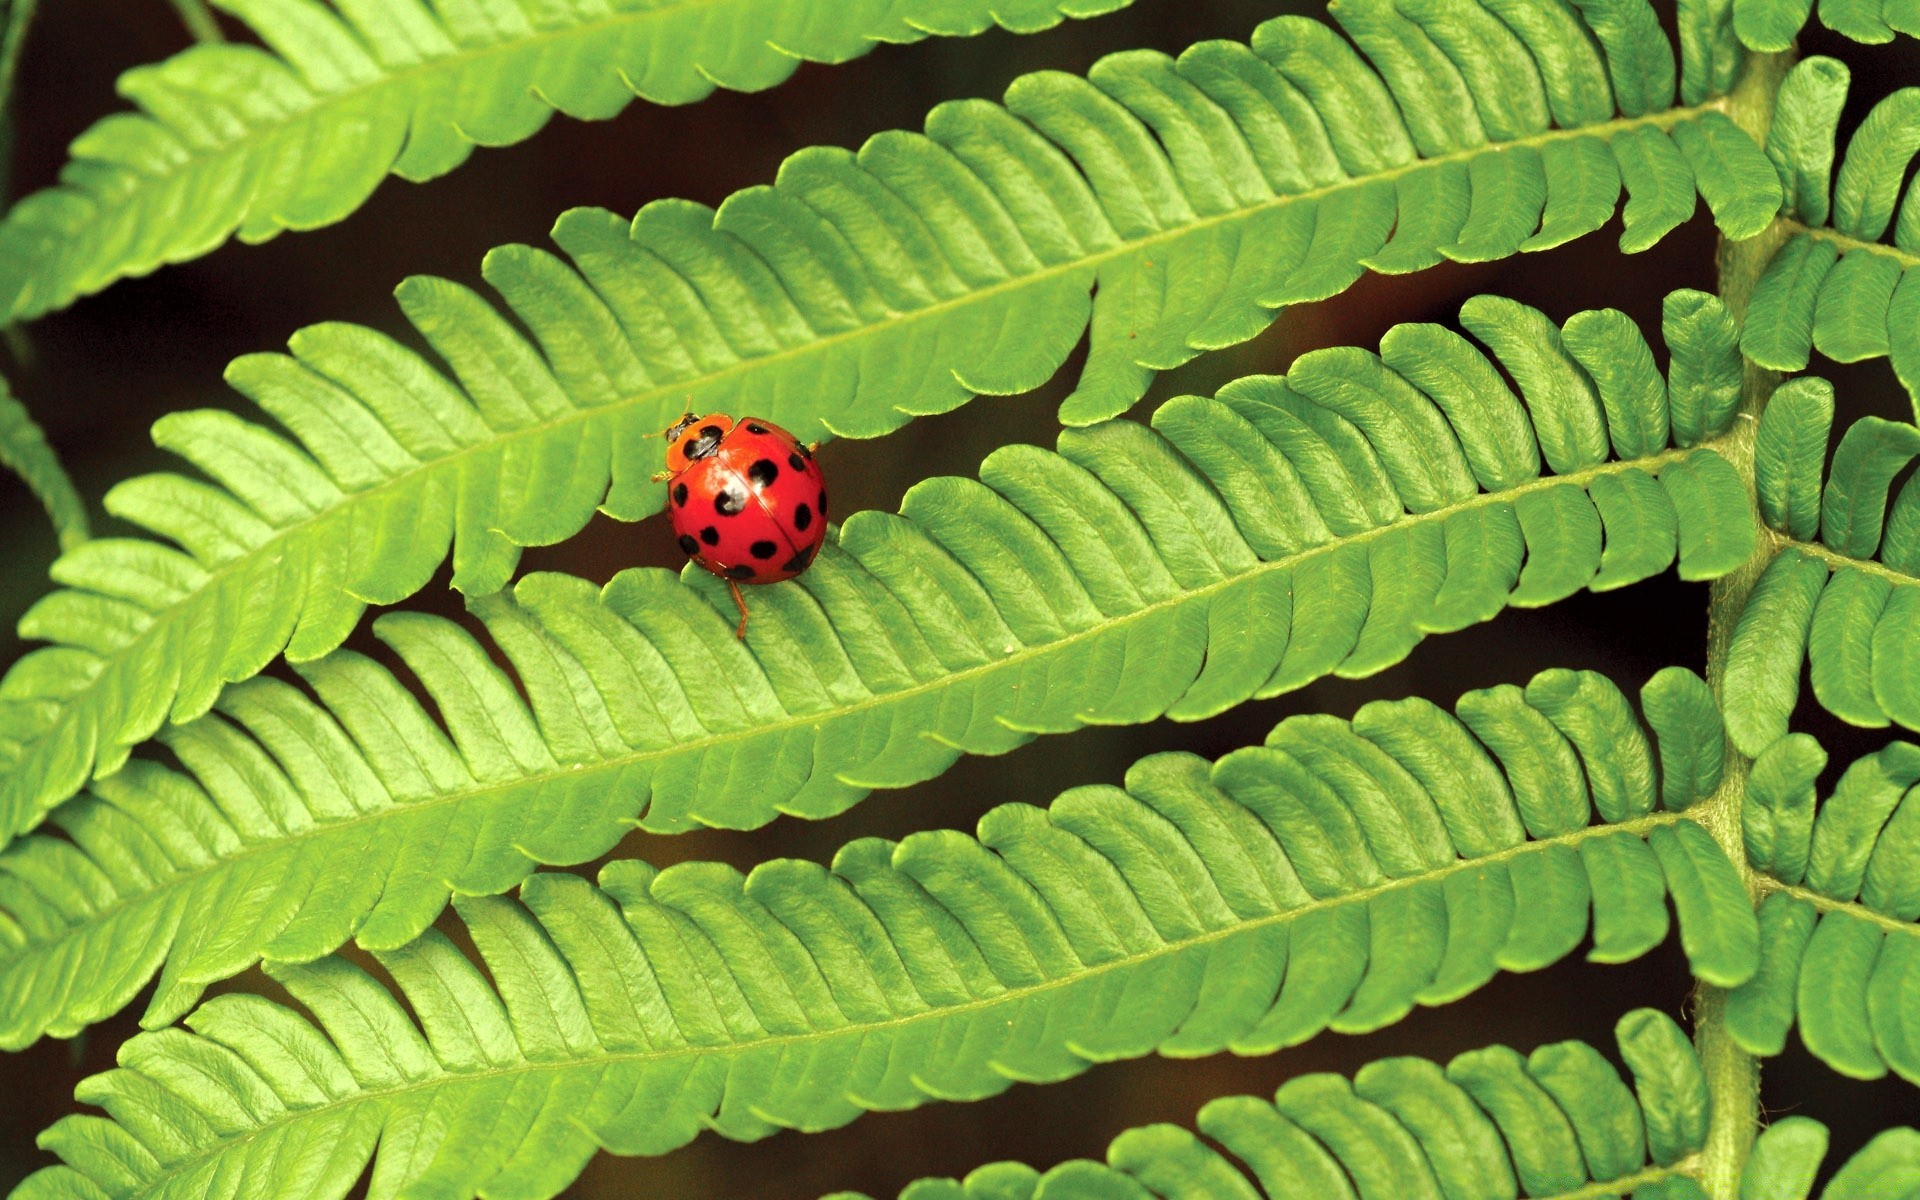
(798, 562)
(755, 427)
(688, 545)
(710, 536)
(764, 549)
(802, 517)
(703, 444)
(680, 494)
(763, 473)
(742, 573)
(729, 501)
(796, 462)
(821, 502)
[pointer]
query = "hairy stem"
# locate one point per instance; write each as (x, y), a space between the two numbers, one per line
(198, 19)
(1733, 1077)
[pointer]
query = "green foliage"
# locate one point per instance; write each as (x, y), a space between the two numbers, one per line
(1491, 1123)
(1333, 877)
(1208, 192)
(1405, 1127)
(1232, 547)
(1835, 285)
(24, 451)
(1840, 949)
(1773, 24)
(1243, 546)
(1848, 603)
(297, 133)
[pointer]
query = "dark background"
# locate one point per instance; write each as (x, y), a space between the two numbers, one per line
(98, 374)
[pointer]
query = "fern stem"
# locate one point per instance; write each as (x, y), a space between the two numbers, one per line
(1733, 1075)
(198, 19)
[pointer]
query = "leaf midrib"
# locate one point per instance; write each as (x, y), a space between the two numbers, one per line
(1766, 885)
(1638, 827)
(1047, 274)
(797, 720)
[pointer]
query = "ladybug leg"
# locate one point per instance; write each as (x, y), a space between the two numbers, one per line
(662, 476)
(741, 632)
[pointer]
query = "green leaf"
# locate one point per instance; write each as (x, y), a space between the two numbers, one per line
(1760, 1012)
(1668, 1078)
(1839, 946)
(1735, 178)
(1770, 25)
(1704, 374)
(1402, 1128)
(1889, 1165)
(24, 451)
(1871, 453)
(1159, 206)
(1769, 644)
(1776, 814)
(1785, 1158)
(1790, 456)
(1801, 139)
(1243, 904)
(1868, 185)
(1716, 919)
(1110, 571)
(1835, 285)
(1692, 739)
(238, 139)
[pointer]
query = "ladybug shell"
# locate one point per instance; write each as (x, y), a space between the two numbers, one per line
(747, 500)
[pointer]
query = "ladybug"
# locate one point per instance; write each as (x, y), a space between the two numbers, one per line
(746, 498)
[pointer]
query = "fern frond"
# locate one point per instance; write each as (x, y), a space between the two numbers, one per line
(1773, 25)
(1843, 594)
(1840, 949)
(1196, 196)
(1836, 284)
(1293, 527)
(298, 132)
(24, 451)
(1333, 877)
(1492, 1122)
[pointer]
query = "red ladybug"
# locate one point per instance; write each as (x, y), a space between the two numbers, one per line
(747, 499)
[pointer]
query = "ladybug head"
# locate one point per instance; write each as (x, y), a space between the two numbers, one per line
(694, 438)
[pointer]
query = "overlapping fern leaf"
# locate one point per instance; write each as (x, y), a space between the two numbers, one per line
(1167, 205)
(1837, 284)
(1843, 594)
(1242, 546)
(236, 138)
(1840, 947)
(1492, 1122)
(1333, 877)
(1772, 25)
(24, 451)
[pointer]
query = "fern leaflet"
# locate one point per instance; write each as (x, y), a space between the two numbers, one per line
(24, 451)
(1196, 195)
(1835, 285)
(296, 134)
(1772, 25)
(1333, 877)
(1843, 594)
(1552, 1125)
(1243, 546)
(1840, 949)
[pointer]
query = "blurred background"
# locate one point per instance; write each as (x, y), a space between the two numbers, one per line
(97, 375)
